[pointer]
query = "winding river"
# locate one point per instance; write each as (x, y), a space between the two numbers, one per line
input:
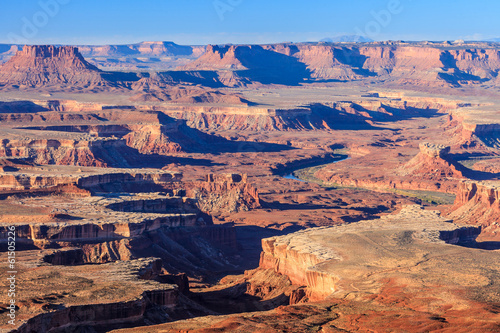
(298, 174)
(291, 173)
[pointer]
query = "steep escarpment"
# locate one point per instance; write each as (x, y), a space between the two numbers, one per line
(34, 178)
(99, 152)
(224, 194)
(344, 259)
(392, 64)
(103, 145)
(475, 126)
(254, 62)
(298, 262)
(101, 303)
(195, 251)
(477, 203)
(37, 66)
(433, 163)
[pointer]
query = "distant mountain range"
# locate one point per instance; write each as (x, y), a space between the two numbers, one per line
(347, 39)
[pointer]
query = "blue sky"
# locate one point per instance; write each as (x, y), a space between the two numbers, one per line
(243, 21)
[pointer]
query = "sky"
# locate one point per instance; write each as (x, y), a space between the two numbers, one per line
(194, 22)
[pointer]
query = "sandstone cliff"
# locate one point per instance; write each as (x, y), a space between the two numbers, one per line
(320, 258)
(433, 163)
(102, 304)
(36, 66)
(222, 194)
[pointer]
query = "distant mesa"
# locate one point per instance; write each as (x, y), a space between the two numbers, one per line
(157, 49)
(41, 65)
(433, 162)
(347, 39)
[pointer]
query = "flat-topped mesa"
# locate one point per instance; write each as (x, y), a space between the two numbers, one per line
(477, 203)
(433, 163)
(48, 51)
(434, 150)
(40, 54)
(340, 259)
(137, 297)
(39, 65)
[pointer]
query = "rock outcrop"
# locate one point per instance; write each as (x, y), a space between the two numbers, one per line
(357, 114)
(477, 203)
(475, 127)
(317, 258)
(433, 163)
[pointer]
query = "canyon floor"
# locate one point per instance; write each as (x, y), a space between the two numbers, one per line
(208, 199)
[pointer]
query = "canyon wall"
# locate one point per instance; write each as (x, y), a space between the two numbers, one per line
(66, 232)
(326, 116)
(473, 128)
(132, 309)
(322, 259)
(433, 163)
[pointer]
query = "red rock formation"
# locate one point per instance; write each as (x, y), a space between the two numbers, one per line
(217, 57)
(97, 152)
(477, 203)
(431, 163)
(298, 264)
(224, 194)
(152, 139)
(420, 65)
(155, 49)
(429, 170)
(37, 66)
(104, 314)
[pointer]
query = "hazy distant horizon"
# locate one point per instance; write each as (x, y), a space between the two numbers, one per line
(278, 42)
(201, 22)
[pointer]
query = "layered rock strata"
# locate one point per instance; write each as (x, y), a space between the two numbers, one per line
(433, 163)
(477, 203)
(19, 180)
(404, 63)
(41, 65)
(322, 259)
